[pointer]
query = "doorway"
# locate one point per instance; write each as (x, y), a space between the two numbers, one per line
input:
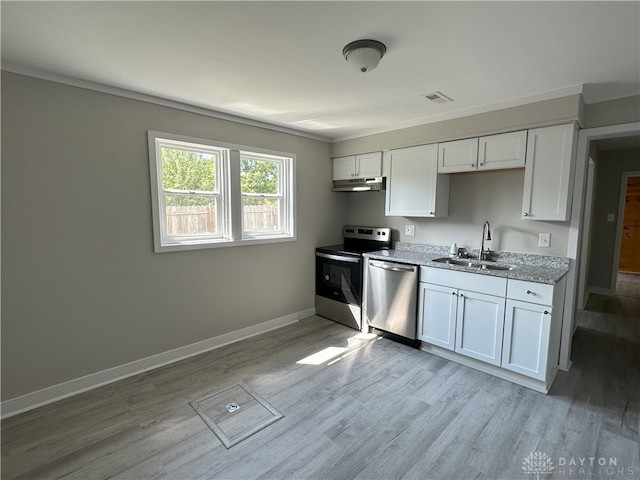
(577, 273)
(628, 268)
(617, 311)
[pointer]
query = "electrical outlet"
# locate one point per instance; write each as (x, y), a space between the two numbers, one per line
(611, 217)
(544, 240)
(410, 230)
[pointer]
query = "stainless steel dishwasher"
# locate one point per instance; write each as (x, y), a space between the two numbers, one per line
(391, 298)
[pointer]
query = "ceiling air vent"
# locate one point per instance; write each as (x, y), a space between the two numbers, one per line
(437, 97)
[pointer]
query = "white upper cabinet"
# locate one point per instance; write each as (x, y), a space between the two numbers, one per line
(414, 188)
(502, 151)
(493, 152)
(458, 156)
(357, 166)
(344, 167)
(548, 174)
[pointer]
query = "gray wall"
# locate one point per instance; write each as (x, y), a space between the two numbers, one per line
(82, 290)
(607, 185)
(548, 112)
(473, 198)
(612, 112)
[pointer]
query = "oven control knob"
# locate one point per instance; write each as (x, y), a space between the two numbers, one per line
(326, 277)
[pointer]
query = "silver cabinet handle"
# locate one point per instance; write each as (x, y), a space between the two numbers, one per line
(461, 295)
(473, 164)
(526, 214)
(339, 258)
(529, 292)
(546, 312)
(392, 267)
(453, 293)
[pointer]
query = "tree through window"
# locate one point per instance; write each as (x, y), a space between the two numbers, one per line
(193, 183)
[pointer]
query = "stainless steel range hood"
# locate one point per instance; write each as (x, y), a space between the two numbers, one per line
(359, 184)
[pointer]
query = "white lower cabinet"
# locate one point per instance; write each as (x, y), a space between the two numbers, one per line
(532, 328)
(508, 325)
(438, 307)
(453, 316)
(479, 325)
(526, 338)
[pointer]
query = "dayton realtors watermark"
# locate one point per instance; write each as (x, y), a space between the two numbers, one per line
(598, 467)
(540, 464)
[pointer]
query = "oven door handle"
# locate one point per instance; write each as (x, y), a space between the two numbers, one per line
(394, 267)
(338, 258)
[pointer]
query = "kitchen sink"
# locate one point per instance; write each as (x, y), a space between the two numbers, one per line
(452, 261)
(485, 266)
(472, 264)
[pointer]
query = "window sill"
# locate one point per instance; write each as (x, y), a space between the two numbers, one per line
(182, 246)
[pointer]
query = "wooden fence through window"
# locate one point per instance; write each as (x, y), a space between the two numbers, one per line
(199, 219)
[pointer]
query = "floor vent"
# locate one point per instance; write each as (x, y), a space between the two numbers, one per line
(235, 414)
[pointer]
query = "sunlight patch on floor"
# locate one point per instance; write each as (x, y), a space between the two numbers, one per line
(322, 356)
(329, 354)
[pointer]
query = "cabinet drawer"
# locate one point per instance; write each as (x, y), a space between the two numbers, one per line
(463, 280)
(532, 292)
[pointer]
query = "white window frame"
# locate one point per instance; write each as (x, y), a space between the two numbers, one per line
(281, 195)
(227, 192)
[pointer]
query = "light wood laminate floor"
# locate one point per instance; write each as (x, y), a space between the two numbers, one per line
(379, 410)
(628, 285)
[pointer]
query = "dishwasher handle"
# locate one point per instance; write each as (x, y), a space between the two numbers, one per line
(394, 267)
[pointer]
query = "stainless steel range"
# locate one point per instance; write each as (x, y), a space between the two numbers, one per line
(339, 273)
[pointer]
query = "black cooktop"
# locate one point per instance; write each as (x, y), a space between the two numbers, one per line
(358, 240)
(354, 251)
(342, 250)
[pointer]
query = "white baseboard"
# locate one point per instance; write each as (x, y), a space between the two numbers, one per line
(602, 291)
(57, 392)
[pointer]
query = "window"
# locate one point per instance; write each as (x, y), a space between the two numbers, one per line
(210, 194)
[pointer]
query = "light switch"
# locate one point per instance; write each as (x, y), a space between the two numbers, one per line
(544, 240)
(410, 230)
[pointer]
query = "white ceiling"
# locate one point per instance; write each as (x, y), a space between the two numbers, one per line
(281, 62)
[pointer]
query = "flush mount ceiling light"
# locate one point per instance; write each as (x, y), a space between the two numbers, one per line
(364, 54)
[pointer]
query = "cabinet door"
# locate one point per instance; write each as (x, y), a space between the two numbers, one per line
(414, 188)
(502, 151)
(369, 165)
(437, 315)
(458, 156)
(526, 338)
(344, 168)
(548, 174)
(479, 326)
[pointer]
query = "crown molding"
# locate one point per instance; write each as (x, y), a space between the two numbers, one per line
(165, 102)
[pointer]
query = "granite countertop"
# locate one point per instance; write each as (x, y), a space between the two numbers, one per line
(527, 267)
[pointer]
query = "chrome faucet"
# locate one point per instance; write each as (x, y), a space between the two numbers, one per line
(484, 254)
